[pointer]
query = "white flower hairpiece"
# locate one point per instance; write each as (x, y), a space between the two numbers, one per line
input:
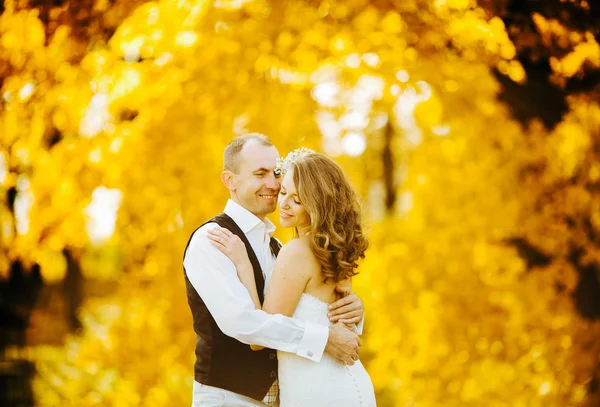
(283, 164)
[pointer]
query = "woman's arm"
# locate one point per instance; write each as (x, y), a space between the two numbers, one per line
(233, 247)
(246, 275)
(290, 275)
(293, 269)
(287, 283)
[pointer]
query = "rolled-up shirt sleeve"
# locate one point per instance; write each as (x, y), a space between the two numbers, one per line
(215, 279)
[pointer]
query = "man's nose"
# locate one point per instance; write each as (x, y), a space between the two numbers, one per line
(273, 183)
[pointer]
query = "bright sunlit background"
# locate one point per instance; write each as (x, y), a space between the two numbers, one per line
(471, 129)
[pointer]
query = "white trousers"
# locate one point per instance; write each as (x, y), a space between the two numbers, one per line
(208, 396)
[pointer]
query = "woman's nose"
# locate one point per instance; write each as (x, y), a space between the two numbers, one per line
(283, 202)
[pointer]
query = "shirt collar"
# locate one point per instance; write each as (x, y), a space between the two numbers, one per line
(245, 219)
(269, 226)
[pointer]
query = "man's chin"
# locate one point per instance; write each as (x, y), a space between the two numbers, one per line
(267, 208)
(270, 208)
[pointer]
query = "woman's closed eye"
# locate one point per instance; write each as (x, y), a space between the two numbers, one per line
(284, 194)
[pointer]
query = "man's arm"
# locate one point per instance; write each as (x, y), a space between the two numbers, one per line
(215, 279)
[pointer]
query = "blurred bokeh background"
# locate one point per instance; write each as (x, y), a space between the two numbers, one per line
(470, 128)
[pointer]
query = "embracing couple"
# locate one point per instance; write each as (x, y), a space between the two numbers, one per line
(278, 326)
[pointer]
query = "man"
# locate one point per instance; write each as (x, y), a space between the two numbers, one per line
(227, 372)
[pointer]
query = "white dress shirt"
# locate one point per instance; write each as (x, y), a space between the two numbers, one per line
(215, 279)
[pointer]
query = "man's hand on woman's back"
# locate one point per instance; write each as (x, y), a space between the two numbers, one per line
(349, 309)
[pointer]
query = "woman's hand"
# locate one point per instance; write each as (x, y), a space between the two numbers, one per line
(230, 245)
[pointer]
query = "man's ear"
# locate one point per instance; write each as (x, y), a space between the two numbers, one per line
(228, 180)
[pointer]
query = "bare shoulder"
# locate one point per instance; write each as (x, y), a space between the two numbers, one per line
(296, 249)
(299, 253)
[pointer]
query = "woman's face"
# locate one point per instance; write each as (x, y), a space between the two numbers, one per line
(291, 211)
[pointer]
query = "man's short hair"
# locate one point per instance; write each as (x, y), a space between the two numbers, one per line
(232, 151)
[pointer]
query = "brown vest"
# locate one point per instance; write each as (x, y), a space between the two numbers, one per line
(222, 361)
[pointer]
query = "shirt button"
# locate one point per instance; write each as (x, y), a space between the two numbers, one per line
(273, 374)
(272, 356)
(309, 354)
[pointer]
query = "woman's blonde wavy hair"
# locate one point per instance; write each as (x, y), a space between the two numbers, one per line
(337, 235)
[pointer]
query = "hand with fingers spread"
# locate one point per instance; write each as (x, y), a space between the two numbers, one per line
(349, 309)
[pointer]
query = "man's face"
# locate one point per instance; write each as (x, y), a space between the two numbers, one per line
(256, 186)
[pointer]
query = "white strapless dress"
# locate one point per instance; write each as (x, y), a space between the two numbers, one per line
(328, 383)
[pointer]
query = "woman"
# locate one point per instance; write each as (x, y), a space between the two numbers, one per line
(317, 200)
